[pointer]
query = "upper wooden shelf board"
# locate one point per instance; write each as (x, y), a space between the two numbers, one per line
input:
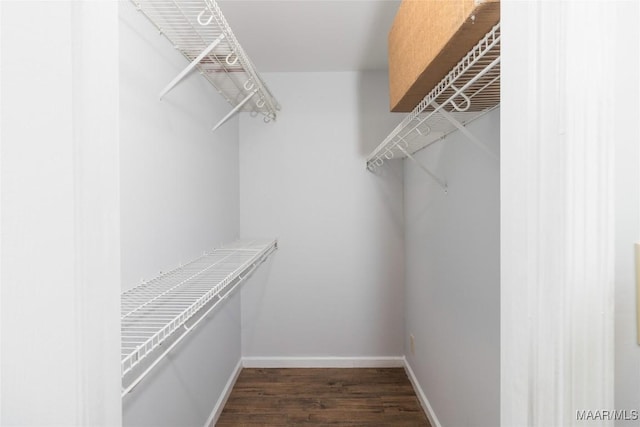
(198, 29)
(427, 39)
(469, 90)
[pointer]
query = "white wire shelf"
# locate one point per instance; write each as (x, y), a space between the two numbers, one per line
(198, 29)
(154, 314)
(470, 90)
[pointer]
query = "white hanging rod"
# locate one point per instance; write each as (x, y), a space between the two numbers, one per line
(157, 312)
(198, 29)
(470, 90)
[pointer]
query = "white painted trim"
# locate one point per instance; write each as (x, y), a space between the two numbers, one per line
(1, 197)
(224, 396)
(95, 117)
(424, 402)
(557, 220)
(323, 362)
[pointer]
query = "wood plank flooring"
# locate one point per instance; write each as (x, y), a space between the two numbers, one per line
(320, 397)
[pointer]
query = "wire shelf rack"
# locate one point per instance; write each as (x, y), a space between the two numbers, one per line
(470, 90)
(154, 312)
(199, 30)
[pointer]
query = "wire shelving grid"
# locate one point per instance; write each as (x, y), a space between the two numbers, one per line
(469, 90)
(198, 28)
(152, 311)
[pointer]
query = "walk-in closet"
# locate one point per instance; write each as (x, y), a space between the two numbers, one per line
(310, 212)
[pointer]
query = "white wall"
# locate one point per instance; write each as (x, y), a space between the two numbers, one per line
(179, 180)
(335, 286)
(179, 197)
(59, 214)
(183, 389)
(452, 296)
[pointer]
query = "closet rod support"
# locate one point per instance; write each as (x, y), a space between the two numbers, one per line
(235, 109)
(464, 130)
(440, 182)
(191, 66)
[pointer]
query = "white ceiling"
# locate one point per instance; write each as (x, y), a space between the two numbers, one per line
(312, 35)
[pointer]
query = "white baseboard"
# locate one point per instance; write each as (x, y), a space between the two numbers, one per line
(426, 406)
(323, 362)
(222, 400)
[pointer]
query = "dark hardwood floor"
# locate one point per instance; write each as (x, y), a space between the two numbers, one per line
(303, 397)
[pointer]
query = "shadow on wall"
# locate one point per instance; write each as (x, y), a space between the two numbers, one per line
(254, 293)
(375, 120)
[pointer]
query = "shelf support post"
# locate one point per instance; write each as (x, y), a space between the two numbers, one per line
(191, 66)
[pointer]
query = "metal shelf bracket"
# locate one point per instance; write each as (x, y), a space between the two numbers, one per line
(466, 132)
(235, 109)
(191, 66)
